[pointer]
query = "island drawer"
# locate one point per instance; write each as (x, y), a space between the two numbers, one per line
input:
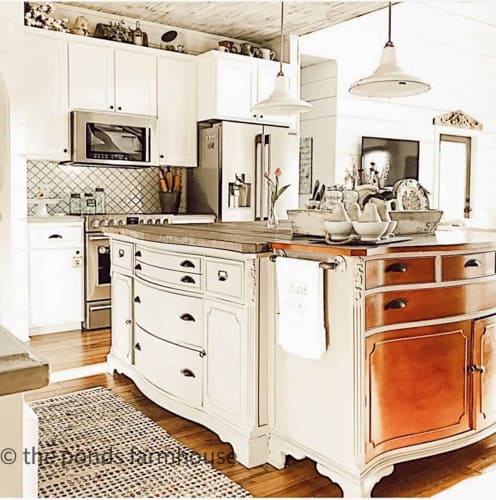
(122, 255)
(399, 271)
(167, 315)
(475, 265)
(175, 262)
(178, 279)
(224, 278)
(396, 307)
(173, 369)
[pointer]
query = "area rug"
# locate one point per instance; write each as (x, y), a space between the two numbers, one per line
(94, 444)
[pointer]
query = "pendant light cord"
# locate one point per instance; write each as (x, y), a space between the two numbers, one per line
(281, 72)
(389, 43)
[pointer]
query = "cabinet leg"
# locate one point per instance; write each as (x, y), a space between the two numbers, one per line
(276, 458)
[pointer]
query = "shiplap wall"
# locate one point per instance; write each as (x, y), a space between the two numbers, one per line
(451, 46)
(318, 87)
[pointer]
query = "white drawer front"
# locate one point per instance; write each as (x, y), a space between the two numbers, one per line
(174, 369)
(171, 261)
(177, 279)
(122, 255)
(55, 236)
(224, 278)
(168, 315)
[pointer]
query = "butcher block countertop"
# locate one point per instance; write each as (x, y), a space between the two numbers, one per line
(254, 237)
(20, 369)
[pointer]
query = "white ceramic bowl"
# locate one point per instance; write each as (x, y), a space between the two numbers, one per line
(338, 231)
(370, 230)
(390, 229)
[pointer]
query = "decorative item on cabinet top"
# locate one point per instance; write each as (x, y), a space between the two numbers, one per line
(40, 17)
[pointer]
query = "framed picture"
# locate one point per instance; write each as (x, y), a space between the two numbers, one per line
(306, 165)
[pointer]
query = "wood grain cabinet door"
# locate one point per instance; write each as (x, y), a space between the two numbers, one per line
(417, 386)
(484, 372)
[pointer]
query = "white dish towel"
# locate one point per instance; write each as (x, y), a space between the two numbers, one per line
(301, 328)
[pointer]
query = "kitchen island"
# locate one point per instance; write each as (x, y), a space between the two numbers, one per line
(409, 368)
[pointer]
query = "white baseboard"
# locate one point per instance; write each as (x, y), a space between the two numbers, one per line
(42, 330)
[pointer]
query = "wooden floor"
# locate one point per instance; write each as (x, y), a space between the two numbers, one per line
(420, 478)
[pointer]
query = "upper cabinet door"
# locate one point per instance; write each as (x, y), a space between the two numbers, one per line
(177, 111)
(91, 77)
(135, 83)
(236, 89)
(46, 99)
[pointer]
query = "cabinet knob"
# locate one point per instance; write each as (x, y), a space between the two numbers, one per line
(254, 116)
(137, 300)
(222, 275)
(261, 116)
(187, 279)
(397, 267)
(396, 304)
(472, 263)
(119, 108)
(187, 373)
(137, 346)
(138, 267)
(202, 354)
(111, 106)
(65, 150)
(128, 321)
(137, 254)
(121, 253)
(187, 317)
(187, 263)
(162, 156)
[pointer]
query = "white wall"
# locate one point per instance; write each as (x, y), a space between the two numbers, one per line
(318, 87)
(453, 47)
(13, 226)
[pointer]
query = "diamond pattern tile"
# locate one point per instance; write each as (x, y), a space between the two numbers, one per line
(126, 190)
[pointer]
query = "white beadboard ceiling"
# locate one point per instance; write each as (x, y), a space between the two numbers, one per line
(253, 21)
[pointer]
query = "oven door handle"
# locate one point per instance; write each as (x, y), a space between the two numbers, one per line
(100, 308)
(97, 238)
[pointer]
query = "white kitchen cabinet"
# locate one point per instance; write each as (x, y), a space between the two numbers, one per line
(135, 82)
(91, 76)
(122, 316)
(231, 84)
(46, 97)
(55, 277)
(177, 111)
(226, 367)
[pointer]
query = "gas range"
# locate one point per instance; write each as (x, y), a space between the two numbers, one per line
(98, 223)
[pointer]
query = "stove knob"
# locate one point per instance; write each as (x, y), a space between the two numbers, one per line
(149, 221)
(104, 223)
(120, 222)
(165, 221)
(157, 221)
(95, 223)
(142, 221)
(111, 222)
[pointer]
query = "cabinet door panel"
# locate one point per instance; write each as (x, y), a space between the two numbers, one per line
(135, 83)
(417, 386)
(46, 98)
(236, 89)
(485, 374)
(225, 385)
(122, 316)
(91, 87)
(177, 112)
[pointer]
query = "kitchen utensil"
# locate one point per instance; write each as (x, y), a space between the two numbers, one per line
(370, 213)
(177, 183)
(267, 53)
(169, 36)
(229, 45)
(410, 195)
(321, 192)
(169, 179)
(337, 231)
(315, 190)
(247, 49)
(370, 231)
(169, 202)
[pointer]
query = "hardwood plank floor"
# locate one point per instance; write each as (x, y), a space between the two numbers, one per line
(420, 478)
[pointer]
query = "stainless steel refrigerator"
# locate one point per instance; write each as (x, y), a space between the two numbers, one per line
(233, 157)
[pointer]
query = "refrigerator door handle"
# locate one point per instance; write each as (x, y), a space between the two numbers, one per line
(267, 168)
(259, 179)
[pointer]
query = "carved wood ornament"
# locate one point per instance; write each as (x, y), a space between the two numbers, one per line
(457, 119)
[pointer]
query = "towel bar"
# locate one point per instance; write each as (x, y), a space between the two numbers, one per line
(338, 263)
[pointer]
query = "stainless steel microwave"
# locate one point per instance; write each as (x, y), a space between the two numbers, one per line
(113, 139)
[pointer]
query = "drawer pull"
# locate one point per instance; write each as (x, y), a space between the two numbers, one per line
(396, 304)
(55, 237)
(137, 346)
(397, 267)
(473, 263)
(476, 368)
(187, 279)
(222, 275)
(137, 254)
(128, 321)
(138, 267)
(202, 354)
(187, 317)
(121, 253)
(187, 263)
(137, 300)
(187, 373)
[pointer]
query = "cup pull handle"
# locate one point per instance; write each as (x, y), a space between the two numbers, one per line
(473, 263)
(187, 317)
(222, 275)
(187, 279)
(55, 237)
(397, 267)
(121, 253)
(187, 263)
(187, 373)
(396, 304)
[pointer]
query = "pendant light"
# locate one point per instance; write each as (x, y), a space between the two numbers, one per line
(389, 80)
(281, 102)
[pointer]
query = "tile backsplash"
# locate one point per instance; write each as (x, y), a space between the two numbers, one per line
(126, 190)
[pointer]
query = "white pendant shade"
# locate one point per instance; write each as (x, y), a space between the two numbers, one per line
(281, 102)
(389, 80)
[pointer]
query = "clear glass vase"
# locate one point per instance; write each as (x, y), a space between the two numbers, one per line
(272, 221)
